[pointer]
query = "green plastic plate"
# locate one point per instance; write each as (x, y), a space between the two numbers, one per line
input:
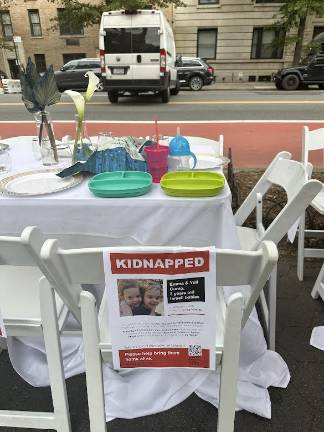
(119, 184)
(192, 183)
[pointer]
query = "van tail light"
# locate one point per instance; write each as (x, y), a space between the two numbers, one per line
(210, 70)
(162, 60)
(102, 61)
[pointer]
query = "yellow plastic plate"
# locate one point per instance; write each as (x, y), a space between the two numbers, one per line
(192, 183)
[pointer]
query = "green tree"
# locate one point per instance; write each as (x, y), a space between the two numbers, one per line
(293, 15)
(87, 13)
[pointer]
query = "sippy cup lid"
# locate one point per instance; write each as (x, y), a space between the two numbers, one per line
(179, 145)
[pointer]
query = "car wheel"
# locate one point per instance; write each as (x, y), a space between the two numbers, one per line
(196, 83)
(100, 86)
(176, 89)
(113, 97)
(165, 95)
(290, 82)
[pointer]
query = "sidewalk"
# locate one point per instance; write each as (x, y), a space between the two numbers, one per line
(299, 408)
(240, 86)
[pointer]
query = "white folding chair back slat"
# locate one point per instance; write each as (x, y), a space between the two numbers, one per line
(292, 177)
(311, 140)
(28, 308)
(80, 266)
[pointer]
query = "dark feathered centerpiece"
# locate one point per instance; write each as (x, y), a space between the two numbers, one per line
(39, 92)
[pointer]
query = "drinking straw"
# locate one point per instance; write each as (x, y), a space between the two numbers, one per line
(156, 132)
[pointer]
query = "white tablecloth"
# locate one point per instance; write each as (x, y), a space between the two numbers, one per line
(153, 219)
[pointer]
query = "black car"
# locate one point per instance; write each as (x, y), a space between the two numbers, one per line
(71, 76)
(194, 72)
(310, 71)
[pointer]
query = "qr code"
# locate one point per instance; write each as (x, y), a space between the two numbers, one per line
(194, 351)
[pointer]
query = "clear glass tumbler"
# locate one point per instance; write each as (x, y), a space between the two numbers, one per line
(47, 152)
(5, 161)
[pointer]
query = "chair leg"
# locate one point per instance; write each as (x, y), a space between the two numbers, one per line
(230, 364)
(318, 284)
(92, 354)
(54, 357)
(272, 301)
(301, 247)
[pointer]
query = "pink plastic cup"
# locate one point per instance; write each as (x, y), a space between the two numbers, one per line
(157, 161)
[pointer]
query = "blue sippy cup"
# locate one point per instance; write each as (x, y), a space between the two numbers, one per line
(180, 155)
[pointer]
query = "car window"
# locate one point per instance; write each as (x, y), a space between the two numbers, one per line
(70, 65)
(118, 40)
(191, 63)
(132, 40)
(88, 65)
(145, 40)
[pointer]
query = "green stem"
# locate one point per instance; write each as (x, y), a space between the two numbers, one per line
(50, 135)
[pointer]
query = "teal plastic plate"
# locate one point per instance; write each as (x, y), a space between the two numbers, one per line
(192, 183)
(119, 184)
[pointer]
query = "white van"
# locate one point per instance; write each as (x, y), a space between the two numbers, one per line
(137, 53)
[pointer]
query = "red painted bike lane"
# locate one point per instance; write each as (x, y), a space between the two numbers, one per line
(253, 144)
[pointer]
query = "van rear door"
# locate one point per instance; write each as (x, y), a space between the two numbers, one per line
(118, 57)
(146, 35)
(133, 48)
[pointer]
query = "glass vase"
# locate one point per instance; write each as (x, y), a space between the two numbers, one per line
(45, 132)
(82, 148)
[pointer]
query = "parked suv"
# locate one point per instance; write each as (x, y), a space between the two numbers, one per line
(194, 72)
(71, 75)
(310, 71)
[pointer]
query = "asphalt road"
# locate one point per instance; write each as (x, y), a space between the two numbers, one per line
(188, 105)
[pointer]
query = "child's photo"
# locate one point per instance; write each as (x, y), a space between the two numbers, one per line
(140, 297)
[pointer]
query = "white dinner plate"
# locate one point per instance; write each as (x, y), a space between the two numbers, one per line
(210, 162)
(37, 182)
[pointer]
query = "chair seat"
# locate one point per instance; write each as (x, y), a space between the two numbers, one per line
(318, 202)
(248, 238)
(105, 335)
(22, 309)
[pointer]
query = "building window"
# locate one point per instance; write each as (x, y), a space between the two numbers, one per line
(72, 56)
(206, 43)
(203, 2)
(72, 42)
(40, 62)
(66, 26)
(267, 43)
(6, 24)
(34, 22)
(270, 1)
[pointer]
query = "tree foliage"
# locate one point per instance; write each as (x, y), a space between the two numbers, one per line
(293, 15)
(87, 13)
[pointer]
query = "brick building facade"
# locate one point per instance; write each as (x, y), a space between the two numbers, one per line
(236, 36)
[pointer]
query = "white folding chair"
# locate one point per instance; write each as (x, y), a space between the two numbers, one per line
(206, 147)
(292, 177)
(29, 308)
(312, 140)
(71, 268)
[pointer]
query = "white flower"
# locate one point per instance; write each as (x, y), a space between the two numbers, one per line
(92, 85)
(78, 99)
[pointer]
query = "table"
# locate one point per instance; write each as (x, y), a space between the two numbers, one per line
(153, 219)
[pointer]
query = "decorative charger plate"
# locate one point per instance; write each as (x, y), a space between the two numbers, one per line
(120, 184)
(37, 182)
(192, 183)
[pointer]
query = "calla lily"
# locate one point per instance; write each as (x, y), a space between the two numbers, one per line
(92, 85)
(79, 102)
